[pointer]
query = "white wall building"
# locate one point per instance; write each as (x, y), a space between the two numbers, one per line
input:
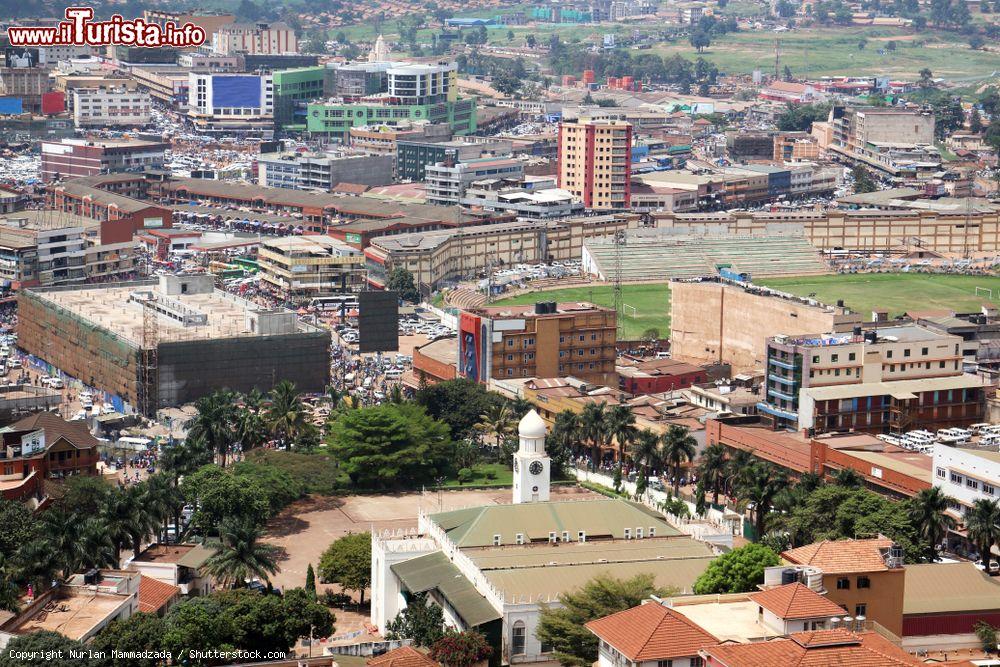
(481, 564)
(966, 475)
(255, 38)
(109, 107)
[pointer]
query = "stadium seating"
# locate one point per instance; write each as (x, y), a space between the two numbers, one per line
(663, 258)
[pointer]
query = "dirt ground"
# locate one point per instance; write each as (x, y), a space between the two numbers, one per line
(305, 529)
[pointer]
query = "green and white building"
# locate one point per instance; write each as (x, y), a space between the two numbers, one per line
(408, 92)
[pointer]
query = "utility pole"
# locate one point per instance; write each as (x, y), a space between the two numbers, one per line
(619, 240)
(777, 57)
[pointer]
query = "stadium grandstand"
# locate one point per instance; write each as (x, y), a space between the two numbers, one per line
(660, 254)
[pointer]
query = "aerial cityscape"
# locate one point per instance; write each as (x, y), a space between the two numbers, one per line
(581, 333)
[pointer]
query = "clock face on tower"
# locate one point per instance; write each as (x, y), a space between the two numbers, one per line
(536, 468)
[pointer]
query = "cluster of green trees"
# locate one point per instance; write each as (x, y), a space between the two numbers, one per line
(738, 571)
(677, 70)
(224, 621)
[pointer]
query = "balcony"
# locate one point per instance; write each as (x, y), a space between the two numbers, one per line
(778, 394)
(788, 366)
(767, 408)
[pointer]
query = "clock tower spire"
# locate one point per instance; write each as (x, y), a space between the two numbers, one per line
(531, 465)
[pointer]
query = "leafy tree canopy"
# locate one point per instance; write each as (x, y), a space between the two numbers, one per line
(738, 571)
(390, 445)
(348, 562)
(563, 627)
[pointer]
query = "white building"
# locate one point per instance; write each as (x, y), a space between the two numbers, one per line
(414, 84)
(109, 107)
(379, 52)
(483, 565)
(966, 475)
(236, 101)
(255, 38)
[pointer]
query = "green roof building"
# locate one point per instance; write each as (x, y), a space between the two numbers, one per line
(293, 89)
(335, 120)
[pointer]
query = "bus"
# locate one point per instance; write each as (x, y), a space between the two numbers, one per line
(335, 302)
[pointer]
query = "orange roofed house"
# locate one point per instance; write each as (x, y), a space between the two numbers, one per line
(865, 577)
(650, 635)
(816, 649)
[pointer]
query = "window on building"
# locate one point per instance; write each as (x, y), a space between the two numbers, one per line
(955, 478)
(940, 364)
(941, 473)
(852, 356)
(664, 663)
(843, 584)
(906, 352)
(697, 661)
(517, 638)
(816, 359)
(834, 357)
(972, 483)
(864, 582)
(860, 610)
(989, 489)
(923, 351)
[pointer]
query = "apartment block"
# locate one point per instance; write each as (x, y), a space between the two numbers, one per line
(84, 157)
(595, 159)
(302, 267)
(446, 184)
(255, 38)
(546, 340)
(860, 380)
(109, 107)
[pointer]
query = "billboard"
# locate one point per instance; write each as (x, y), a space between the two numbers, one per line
(20, 57)
(53, 102)
(378, 321)
(238, 92)
(469, 337)
(10, 106)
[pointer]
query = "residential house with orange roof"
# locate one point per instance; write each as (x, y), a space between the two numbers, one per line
(156, 597)
(773, 612)
(812, 649)
(650, 635)
(865, 577)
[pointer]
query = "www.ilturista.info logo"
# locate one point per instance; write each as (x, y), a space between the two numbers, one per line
(78, 29)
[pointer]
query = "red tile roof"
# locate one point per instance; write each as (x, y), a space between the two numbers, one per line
(155, 594)
(842, 556)
(795, 601)
(651, 632)
(823, 648)
(405, 656)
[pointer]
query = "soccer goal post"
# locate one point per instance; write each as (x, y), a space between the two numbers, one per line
(988, 291)
(629, 310)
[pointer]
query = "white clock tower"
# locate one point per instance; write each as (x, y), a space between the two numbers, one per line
(531, 466)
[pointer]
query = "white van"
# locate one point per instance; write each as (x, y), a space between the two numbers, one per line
(367, 384)
(393, 374)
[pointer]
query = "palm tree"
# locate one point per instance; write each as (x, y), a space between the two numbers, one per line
(645, 452)
(61, 532)
(737, 465)
(36, 564)
(140, 519)
(982, 522)
(497, 421)
(213, 426)
(713, 469)
(678, 446)
(928, 511)
(621, 427)
(287, 414)
(520, 407)
(96, 545)
(116, 517)
(847, 477)
(761, 483)
(563, 438)
(240, 556)
(10, 597)
(594, 428)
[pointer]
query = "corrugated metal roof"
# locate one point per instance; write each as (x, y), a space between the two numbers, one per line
(435, 572)
(902, 389)
(196, 557)
(606, 518)
(933, 588)
(550, 582)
